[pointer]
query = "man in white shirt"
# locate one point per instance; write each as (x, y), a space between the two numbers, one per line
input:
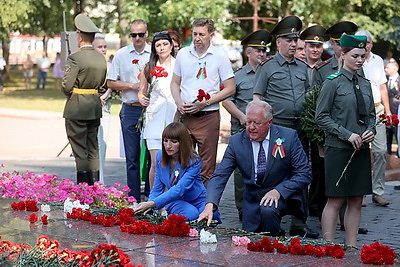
(43, 64)
(124, 76)
(202, 66)
(373, 69)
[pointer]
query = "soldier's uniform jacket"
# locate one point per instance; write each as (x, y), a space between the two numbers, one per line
(85, 69)
(336, 111)
(244, 79)
(322, 70)
(283, 85)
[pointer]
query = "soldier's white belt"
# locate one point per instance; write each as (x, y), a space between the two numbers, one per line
(84, 91)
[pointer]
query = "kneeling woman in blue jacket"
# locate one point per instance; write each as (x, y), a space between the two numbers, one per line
(178, 186)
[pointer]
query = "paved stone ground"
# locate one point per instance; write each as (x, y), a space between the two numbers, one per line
(29, 142)
(382, 222)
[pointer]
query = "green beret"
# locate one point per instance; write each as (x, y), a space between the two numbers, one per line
(258, 39)
(314, 34)
(336, 30)
(356, 41)
(84, 24)
(288, 27)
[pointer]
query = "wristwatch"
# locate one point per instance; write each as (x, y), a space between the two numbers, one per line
(208, 102)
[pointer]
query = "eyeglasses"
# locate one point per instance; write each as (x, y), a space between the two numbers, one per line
(162, 33)
(141, 34)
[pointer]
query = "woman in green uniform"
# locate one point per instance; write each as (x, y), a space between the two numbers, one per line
(346, 113)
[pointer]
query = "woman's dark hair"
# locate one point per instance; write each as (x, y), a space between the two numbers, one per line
(153, 56)
(178, 131)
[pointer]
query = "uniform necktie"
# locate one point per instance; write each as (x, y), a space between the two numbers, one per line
(362, 111)
(261, 164)
(390, 83)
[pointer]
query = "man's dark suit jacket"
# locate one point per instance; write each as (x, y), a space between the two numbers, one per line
(289, 175)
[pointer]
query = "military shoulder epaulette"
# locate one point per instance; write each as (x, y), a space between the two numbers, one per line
(266, 60)
(334, 75)
(321, 64)
(237, 70)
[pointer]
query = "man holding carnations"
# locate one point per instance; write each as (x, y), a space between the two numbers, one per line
(124, 76)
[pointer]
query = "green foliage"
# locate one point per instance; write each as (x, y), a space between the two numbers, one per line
(309, 125)
(13, 16)
(44, 17)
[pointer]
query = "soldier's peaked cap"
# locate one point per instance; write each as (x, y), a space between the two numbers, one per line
(288, 27)
(84, 24)
(337, 30)
(314, 34)
(258, 39)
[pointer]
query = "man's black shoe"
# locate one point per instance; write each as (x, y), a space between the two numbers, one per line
(361, 231)
(306, 232)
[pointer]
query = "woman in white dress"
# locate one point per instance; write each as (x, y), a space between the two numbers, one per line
(160, 106)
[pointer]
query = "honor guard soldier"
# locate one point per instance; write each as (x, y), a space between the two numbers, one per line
(314, 39)
(329, 66)
(85, 73)
(256, 52)
(282, 82)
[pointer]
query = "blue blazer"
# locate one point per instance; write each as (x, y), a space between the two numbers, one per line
(289, 175)
(188, 188)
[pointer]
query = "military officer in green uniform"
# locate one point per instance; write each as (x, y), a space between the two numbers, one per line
(256, 51)
(314, 38)
(282, 81)
(346, 112)
(329, 66)
(85, 73)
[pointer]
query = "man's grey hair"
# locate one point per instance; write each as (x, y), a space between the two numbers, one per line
(366, 33)
(99, 36)
(268, 113)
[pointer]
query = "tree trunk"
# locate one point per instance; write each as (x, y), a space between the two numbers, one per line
(122, 23)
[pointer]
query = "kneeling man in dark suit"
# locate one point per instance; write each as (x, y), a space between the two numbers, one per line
(274, 167)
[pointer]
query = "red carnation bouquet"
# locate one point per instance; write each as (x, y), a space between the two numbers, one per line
(377, 253)
(158, 72)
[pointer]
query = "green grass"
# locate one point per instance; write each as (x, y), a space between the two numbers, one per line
(15, 95)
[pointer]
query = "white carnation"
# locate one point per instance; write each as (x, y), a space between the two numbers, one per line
(207, 237)
(69, 205)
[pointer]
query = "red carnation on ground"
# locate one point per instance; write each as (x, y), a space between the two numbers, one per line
(33, 218)
(44, 219)
(31, 205)
(308, 249)
(319, 251)
(266, 245)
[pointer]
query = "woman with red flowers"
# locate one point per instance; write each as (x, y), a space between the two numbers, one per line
(346, 113)
(178, 186)
(155, 95)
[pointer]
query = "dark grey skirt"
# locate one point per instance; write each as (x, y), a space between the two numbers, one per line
(356, 180)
